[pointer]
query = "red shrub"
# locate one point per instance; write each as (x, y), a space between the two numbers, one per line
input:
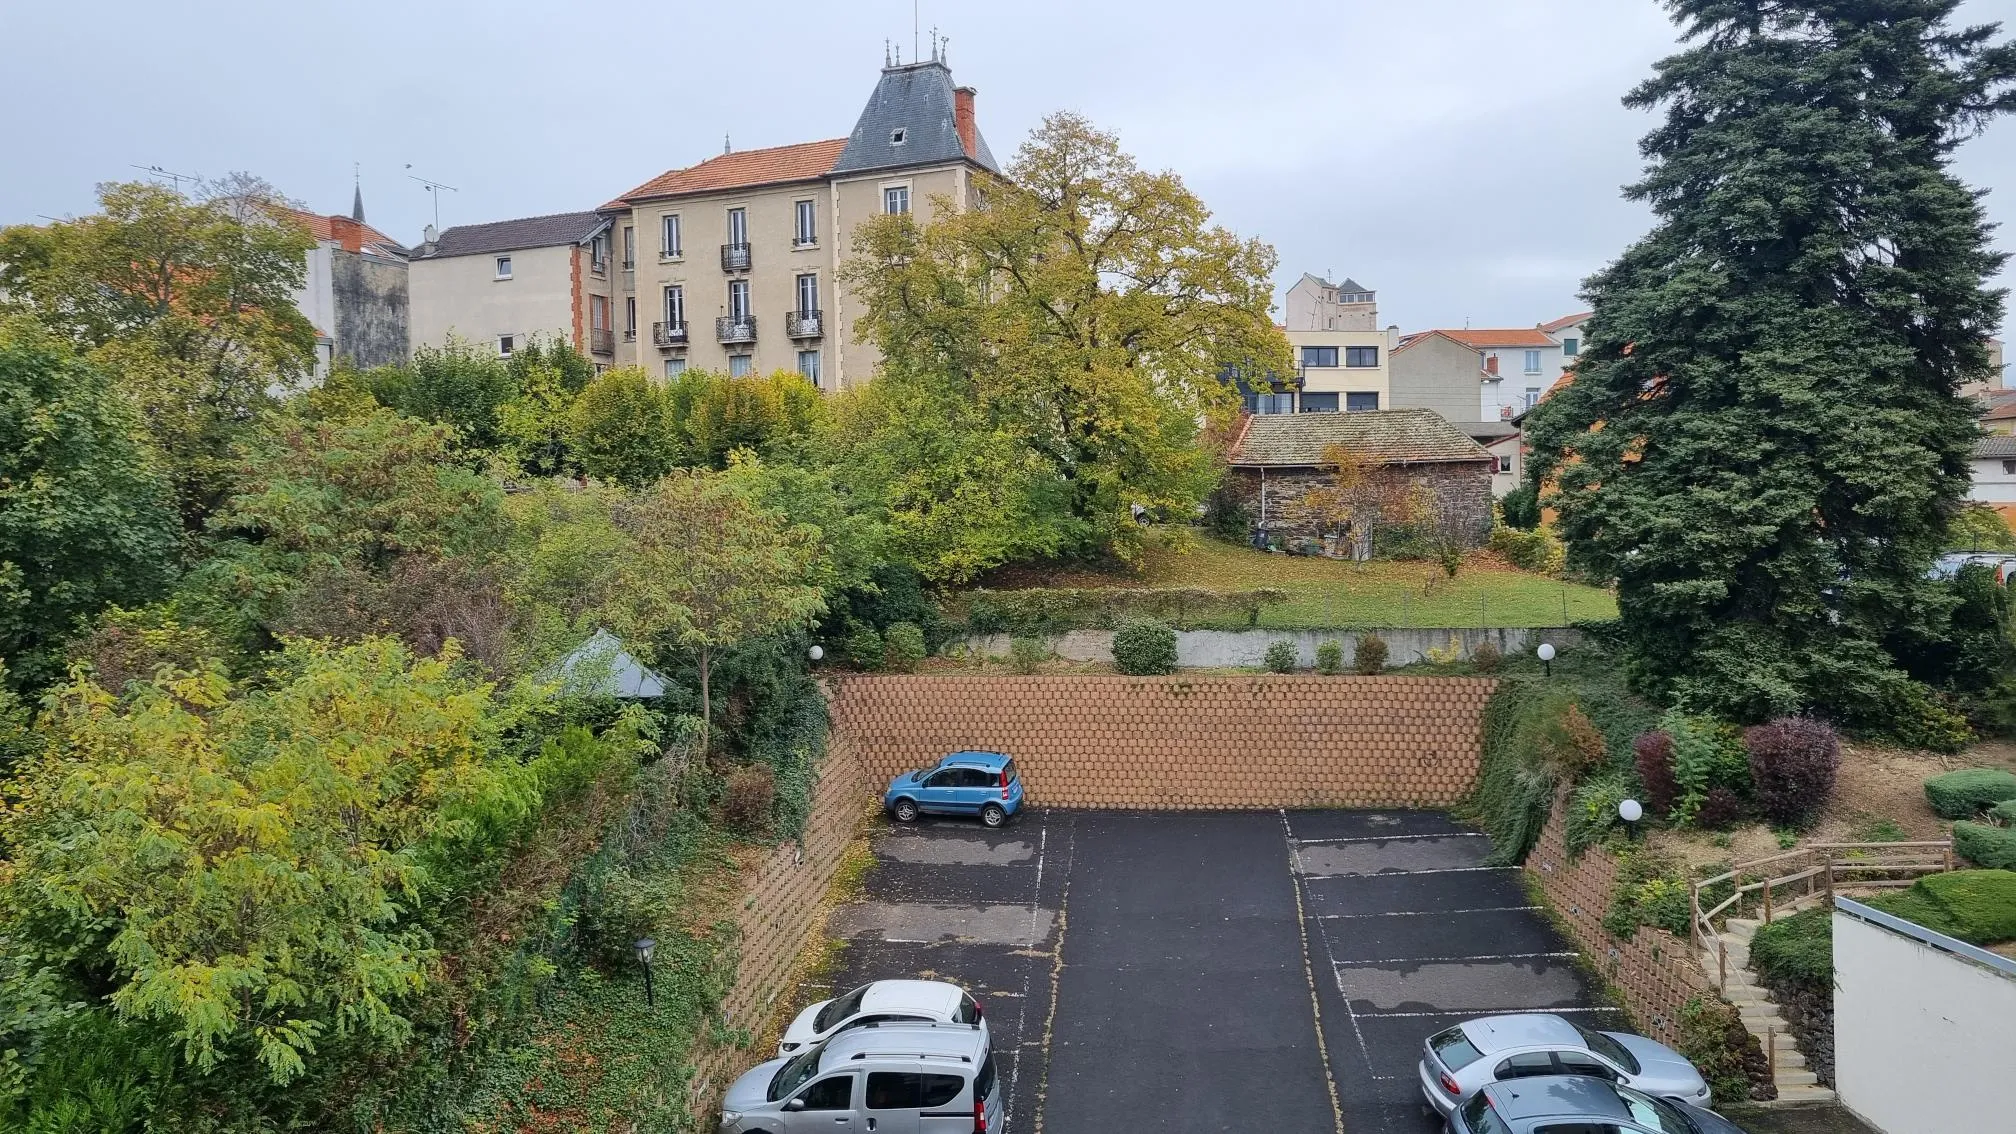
(1720, 807)
(1655, 770)
(1792, 765)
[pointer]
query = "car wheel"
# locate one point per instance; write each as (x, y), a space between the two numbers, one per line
(905, 810)
(992, 815)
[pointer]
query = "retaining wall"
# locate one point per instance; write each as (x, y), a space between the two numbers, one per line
(1199, 649)
(1654, 971)
(1177, 742)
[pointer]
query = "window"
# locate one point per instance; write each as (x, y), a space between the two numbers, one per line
(808, 293)
(1532, 397)
(1583, 1063)
(668, 240)
(1454, 1049)
(598, 312)
(1361, 356)
(941, 1089)
(1521, 1066)
(895, 1090)
(808, 365)
(807, 232)
(1501, 465)
(1608, 1048)
(983, 1083)
(629, 246)
(1532, 362)
(630, 315)
(738, 300)
(1319, 403)
(1478, 1116)
(1360, 403)
(898, 136)
(738, 227)
(674, 367)
(969, 1013)
(675, 306)
(896, 199)
(1319, 356)
(1571, 347)
(739, 365)
(2009, 468)
(835, 1092)
(598, 252)
(1654, 1114)
(505, 345)
(503, 267)
(1578, 1128)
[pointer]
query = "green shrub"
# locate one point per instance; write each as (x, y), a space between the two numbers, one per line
(1143, 647)
(1979, 905)
(985, 616)
(1370, 658)
(1796, 950)
(1330, 658)
(1592, 810)
(1487, 657)
(864, 648)
(1965, 793)
(1043, 611)
(1515, 784)
(1985, 846)
(1648, 890)
(1281, 657)
(2004, 813)
(1025, 654)
(1707, 755)
(1534, 550)
(1713, 1038)
(1520, 508)
(903, 647)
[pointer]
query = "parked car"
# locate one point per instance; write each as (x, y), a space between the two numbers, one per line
(930, 1078)
(893, 1001)
(965, 783)
(1580, 1103)
(1458, 1061)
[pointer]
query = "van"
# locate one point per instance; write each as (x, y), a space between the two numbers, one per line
(880, 1078)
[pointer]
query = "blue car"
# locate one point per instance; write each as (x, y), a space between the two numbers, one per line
(964, 783)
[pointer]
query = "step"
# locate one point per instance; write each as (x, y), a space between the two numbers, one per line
(1738, 993)
(1741, 928)
(1786, 1079)
(1788, 1056)
(1792, 1096)
(1758, 1010)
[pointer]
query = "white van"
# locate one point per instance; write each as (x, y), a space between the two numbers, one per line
(880, 1078)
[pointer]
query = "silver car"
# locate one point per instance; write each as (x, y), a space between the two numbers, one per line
(1457, 1062)
(882, 1077)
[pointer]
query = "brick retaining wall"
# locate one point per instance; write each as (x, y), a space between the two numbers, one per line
(1655, 971)
(1182, 742)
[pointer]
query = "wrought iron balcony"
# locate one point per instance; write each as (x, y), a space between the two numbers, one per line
(734, 257)
(735, 329)
(668, 334)
(804, 324)
(601, 340)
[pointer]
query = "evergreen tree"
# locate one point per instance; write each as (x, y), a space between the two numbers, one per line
(1763, 441)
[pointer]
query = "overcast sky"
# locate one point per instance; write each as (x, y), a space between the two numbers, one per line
(1463, 157)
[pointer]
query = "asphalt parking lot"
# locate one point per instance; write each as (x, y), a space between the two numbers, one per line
(1249, 971)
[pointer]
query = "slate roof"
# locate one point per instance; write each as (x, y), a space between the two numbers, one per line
(1996, 448)
(917, 99)
(511, 235)
(805, 161)
(1387, 437)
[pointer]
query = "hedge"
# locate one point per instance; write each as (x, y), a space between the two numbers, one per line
(1965, 793)
(2004, 813)
(1796, 950)
(1979, 905)
(1982, 845)
(1143, 647)
(1053, 610)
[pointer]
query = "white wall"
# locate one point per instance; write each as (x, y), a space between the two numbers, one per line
(1991, 484)
(462, 296)
(1924, 1041)
(317, 303)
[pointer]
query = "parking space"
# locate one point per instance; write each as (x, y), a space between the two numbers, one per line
(1213, 971)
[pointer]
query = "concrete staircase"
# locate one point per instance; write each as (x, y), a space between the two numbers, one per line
(1760, 1014)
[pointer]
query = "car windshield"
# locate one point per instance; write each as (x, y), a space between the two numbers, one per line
(838, 1009)
(1609, 1049)
(1454, 1049)
(792, 1075)
(1655, 1114)
(1481, 1119)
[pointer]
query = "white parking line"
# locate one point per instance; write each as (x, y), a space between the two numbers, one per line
(1309, 974)
(1430, 870)
(1469, 1012)
(1028, 973)
(1462, 960)
(1390, 838)
(1426, 913)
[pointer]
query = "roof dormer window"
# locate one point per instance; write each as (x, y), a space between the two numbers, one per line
(897, 135)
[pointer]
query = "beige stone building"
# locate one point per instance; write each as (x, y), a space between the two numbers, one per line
(733, 264)
(502, 283)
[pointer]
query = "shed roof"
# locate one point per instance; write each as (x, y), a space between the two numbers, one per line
(1387, 437)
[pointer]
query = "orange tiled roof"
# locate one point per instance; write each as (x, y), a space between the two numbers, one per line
(1485, 340)
(1565, 321)
(778, 164)
(351, 235)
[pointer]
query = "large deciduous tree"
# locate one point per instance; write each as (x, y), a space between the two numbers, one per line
(1763, 440)
(86, 517)
(1082, 307)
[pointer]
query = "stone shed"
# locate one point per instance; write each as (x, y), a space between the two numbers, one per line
(1277, 463)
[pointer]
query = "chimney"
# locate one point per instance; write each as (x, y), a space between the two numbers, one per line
(428, 239)
(1491, 364)
(962, 117)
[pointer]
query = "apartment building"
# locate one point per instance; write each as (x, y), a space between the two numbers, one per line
(502, 283)
(1503, 372)
(1316, 304)
(733, 264)
(1341, 355)
(356, 290)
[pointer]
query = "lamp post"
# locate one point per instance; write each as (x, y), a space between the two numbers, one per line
(816, 652)
(1546, 652)
(1630, 811)
(645, 947)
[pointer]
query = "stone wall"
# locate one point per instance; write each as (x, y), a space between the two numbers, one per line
(1654, 971)
(1176, 742)
(371, 302)
(782, 907)
(1280, 508)
(1220, 648)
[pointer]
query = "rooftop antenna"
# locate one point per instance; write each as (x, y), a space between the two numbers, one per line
(727, 147)
(914, 53)
(885, 53)
(434, 189)
(176, 178)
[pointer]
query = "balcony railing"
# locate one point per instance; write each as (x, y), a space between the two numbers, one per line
(735, 329)
(599, 267)
(804, 324)
(601, 340)
(734, 257)
(668, 334)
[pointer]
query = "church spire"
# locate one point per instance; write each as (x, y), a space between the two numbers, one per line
(357, 199)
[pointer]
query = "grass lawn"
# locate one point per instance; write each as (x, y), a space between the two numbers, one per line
(1339, 594)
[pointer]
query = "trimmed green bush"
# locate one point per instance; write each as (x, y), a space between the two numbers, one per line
(1143, 647)
(903, 647)
(864, 648)
(1796, 950)
(1025, 654)
(2004, 813)
(1535, 550)
(1330, 658)
(1370, 659)
(1648, 890)
(1979, 905)
(1967, 792)
(1281, 657)
(1985, 846)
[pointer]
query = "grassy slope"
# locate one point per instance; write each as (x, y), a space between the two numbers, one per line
(1330, 593)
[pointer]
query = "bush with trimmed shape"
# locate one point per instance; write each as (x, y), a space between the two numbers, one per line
(1330, 658)
(1370, 658)
(1980, 905)
(864, 648)
(1143, 647)
(1025, 654)
(903, 647)
(1965, 793)
(1281, 657)
(2004, 813)
(1982, 845)
(1793, 761)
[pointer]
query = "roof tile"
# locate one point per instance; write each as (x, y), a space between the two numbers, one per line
(510, 235)
(804, 161)
(1400, 436)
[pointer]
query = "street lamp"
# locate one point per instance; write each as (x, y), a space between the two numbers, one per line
(645, 947)
(1546, 652)
(816, 652)
(1630, 811)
